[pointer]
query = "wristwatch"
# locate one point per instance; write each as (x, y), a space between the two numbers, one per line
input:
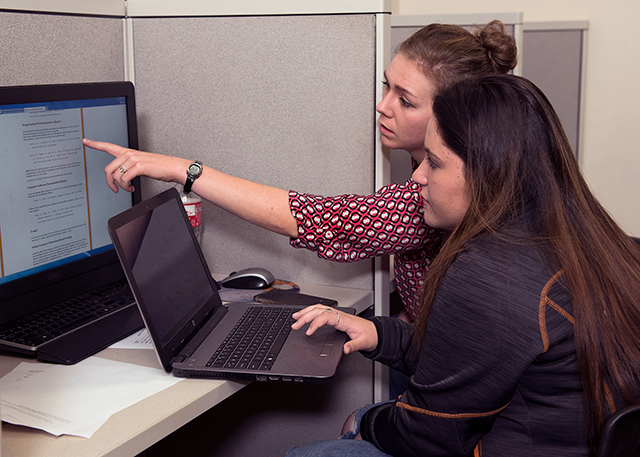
(193, 172)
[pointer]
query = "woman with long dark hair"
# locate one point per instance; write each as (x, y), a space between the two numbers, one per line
(527, 337)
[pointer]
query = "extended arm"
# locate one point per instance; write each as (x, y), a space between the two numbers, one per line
(347, 228)
(265, 206)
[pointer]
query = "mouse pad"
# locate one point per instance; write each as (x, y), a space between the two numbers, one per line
(246, 295)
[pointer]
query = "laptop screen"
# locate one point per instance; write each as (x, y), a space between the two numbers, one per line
(55, 201)
(165, 267)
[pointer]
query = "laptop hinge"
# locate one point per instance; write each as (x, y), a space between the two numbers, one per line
(179, 359)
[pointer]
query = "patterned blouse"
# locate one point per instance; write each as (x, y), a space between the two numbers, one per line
(348, 228)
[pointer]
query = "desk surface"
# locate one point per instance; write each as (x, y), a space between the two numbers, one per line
(137, 427)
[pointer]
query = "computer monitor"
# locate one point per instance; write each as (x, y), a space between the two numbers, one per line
(54, 199)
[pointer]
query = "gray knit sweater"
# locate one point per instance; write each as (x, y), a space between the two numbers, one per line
(497, 372)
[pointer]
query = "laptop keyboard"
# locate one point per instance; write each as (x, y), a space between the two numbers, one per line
(45, 325)
(256, 340)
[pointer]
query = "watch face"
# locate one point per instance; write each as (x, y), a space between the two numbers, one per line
(195, 169)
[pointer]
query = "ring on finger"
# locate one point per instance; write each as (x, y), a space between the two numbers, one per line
(338, 321)
(122, 169)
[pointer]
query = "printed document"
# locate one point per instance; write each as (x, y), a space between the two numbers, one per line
(76, 399)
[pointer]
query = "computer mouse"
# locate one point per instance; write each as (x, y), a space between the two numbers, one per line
(249, 278)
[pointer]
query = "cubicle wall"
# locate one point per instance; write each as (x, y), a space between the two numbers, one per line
(554, 59)
(53, 48)
(286, 101)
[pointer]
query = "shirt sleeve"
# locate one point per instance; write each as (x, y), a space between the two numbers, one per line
(482, 335)
(350, 227)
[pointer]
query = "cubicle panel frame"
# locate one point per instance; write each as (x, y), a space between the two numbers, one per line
(125, 67)
(382, 265)
(91, 7)
(573, 122)
(171, 8)
(380, 279)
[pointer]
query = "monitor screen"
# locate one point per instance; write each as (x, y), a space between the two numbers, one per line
(55, 201)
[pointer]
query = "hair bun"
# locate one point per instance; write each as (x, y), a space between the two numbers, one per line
(500, 47)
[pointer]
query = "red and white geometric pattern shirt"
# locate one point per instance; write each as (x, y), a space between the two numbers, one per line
(348, 228)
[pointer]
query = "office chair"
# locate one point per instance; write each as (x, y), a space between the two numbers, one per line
(621, 434)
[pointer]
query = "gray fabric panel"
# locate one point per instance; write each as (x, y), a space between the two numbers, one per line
(49, 48)
(285, 101)
(552, 59)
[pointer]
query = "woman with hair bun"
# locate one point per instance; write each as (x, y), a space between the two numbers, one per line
(427, 62)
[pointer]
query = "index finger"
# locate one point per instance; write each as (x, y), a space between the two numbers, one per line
(116, 151)
(103, 146)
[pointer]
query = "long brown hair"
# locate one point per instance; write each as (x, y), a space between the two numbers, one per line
(447, 53)
(517, 158)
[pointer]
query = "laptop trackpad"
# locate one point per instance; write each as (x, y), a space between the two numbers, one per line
(328, 345)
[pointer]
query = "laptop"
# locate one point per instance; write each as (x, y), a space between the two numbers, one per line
(186, 320)
(63, 294)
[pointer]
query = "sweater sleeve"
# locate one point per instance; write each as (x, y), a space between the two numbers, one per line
(483, 333)
(347, 228)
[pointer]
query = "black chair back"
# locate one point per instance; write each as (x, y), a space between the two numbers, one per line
(621, 434)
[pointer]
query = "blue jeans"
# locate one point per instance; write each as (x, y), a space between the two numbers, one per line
(345, 446)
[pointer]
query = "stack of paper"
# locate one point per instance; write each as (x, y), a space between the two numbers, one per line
(75, 399)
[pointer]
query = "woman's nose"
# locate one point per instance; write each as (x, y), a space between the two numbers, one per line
(420, 173)
(383, 106)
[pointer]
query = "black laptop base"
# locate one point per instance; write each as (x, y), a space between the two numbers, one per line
(92, 338)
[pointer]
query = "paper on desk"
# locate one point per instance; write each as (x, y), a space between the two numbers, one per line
(137, 340)
(76, 399)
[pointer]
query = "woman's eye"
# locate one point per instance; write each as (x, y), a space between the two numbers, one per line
(430, 162)
(403, 101)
